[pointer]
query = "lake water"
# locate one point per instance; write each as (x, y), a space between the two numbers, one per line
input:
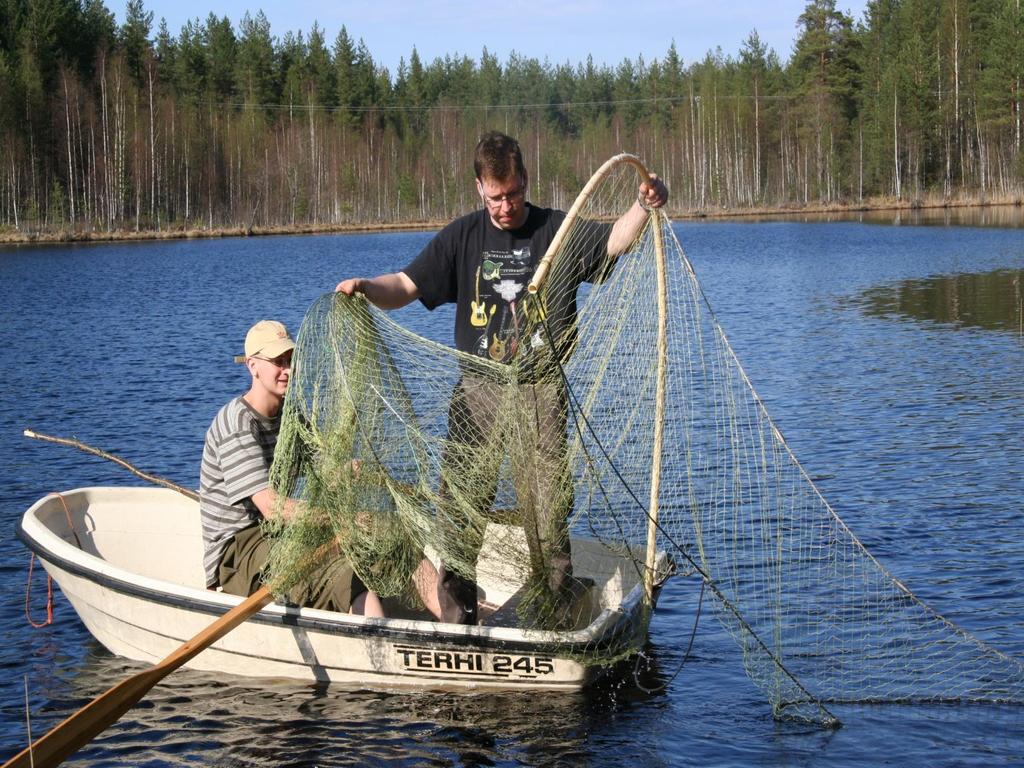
(891, 357)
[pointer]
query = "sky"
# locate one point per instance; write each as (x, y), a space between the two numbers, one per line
(564, 31)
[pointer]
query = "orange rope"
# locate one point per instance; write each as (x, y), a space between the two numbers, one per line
(49, 579)
(28, 597)
(67, 514)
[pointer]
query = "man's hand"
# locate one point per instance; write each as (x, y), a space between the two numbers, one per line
(653, 193)
(350, 287)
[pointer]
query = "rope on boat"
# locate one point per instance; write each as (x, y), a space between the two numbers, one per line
(67, 515)
(686, 654)
(28, 597)
(49, 579)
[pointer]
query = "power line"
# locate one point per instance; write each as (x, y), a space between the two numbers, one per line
(565, 105)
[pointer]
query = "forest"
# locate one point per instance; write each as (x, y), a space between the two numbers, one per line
(135, 128)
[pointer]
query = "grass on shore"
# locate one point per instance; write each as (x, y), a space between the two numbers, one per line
(879, 204)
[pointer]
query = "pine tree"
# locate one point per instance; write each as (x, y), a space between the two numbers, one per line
(133, 38)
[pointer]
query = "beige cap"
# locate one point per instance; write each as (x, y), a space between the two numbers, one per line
(268, 338)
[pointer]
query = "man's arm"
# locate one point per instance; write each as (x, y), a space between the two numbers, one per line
(653, 194)
(266, 502)
(391, 291)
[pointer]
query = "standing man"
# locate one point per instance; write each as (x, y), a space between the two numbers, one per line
(234, 486)
(483, 262)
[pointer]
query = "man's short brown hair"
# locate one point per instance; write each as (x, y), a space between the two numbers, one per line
(498, 157)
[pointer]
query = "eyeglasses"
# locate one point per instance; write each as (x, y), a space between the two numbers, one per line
(281, 361)
(512, 198)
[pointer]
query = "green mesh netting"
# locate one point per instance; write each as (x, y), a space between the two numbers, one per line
(638, 408)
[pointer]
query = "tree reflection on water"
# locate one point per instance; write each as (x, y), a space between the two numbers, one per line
(989, 300)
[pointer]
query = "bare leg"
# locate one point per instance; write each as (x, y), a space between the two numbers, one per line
(425, 580)
(367, 604)
(469, 476)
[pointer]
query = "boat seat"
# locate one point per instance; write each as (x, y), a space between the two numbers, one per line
(507, 615)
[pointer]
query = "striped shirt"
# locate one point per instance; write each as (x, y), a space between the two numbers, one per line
(236, 465)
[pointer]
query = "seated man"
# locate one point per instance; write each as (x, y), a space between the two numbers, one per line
(235, 493)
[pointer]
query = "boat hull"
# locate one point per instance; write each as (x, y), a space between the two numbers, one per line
(127, 559)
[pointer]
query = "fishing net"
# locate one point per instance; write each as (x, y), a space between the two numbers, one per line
(622, 412)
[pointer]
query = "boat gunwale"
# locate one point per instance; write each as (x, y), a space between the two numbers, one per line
(606, 631)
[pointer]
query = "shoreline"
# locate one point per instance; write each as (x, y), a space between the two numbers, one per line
(876, 205)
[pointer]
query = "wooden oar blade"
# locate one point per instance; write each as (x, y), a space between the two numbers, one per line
(84, 725)
(87, 723)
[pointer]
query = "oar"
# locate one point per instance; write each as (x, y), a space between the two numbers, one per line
(103, 711)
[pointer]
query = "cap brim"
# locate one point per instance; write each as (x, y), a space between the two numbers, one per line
(276, 348)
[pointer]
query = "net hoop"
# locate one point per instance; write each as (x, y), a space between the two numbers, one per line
(540, 275)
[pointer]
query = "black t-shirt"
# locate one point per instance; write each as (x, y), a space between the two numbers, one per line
(485, 271)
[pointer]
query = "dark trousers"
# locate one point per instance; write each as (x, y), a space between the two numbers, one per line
(489, 424)
(331, 587)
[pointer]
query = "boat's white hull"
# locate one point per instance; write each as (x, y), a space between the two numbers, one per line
(148, 604)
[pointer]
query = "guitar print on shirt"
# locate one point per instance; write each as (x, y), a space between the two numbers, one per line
(501, 280)
(478, 314)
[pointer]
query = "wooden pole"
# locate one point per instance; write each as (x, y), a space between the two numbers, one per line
(659, 408)
(116, 459)
(540, 274)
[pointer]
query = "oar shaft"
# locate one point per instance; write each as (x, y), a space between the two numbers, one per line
(87, 723)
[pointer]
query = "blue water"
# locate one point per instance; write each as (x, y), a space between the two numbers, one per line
(910, 425)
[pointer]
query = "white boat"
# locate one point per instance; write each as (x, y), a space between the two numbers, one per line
(129, 560)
